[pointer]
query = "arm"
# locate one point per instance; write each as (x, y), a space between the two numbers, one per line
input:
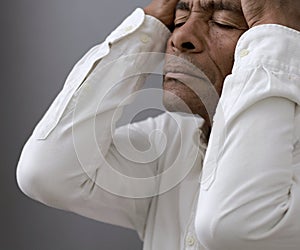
(249, 196)
(60, 164)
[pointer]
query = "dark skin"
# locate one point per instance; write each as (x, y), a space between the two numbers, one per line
(205, 33)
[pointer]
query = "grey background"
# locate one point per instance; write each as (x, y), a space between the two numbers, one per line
(40, 42)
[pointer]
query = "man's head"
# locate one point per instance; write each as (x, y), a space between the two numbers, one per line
(205, 34)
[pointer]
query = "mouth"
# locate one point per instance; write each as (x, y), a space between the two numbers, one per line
(189, 75)
(183, 71)
(181, 77)
(186, 78)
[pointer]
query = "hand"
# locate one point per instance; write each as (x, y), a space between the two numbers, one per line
(163, 10)
(284, 12)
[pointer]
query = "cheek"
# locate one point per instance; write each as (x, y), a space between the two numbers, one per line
(222, 48)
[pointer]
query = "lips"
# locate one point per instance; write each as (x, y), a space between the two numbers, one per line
(182, 77)
(185, 77)
(182, 70)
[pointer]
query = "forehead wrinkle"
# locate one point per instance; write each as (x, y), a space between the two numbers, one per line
(229, 5)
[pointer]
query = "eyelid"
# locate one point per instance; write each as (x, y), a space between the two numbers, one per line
(178, 19)
(228, 25)
(223, 23)
(234, 21)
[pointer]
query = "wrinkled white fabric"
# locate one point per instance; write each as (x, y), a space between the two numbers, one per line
(69, 160)
(250, 191)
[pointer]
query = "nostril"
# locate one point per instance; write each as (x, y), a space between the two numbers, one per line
(187, 45)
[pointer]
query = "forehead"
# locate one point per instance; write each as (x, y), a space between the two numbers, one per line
(232, 5)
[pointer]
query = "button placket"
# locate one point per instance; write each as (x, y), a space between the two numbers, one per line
(190, 240)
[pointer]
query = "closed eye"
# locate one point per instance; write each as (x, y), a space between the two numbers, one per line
(222, 25)
(177, 25)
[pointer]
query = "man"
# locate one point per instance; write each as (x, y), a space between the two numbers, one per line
(250, 181)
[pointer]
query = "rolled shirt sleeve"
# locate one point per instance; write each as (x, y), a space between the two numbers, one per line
(250, 191)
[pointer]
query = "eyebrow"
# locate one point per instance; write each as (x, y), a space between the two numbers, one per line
(181, 5)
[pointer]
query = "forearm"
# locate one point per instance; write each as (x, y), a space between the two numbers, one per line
(248, 197)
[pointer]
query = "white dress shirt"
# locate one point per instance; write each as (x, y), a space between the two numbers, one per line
(61, 166)
(250, 187)
(66, 163)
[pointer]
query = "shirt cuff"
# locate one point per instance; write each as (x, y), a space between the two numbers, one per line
(273, 45)
(267, 64)
(133, 22)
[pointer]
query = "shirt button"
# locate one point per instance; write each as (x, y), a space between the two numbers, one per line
(190, 240)
(144, 38)
(128, 28)
(244, 52)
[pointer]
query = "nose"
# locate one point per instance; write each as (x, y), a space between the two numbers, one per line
(188, 38)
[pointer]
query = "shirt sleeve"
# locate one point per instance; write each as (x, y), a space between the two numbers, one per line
(64, 162)
(250, 192)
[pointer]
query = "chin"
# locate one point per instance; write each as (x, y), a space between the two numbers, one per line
(178, 97)
(175, 102)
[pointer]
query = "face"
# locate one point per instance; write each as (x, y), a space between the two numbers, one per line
(200, 53)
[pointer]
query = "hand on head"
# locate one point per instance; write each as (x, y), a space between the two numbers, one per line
(284, 12)
(205, 34)
(163, 10)
(256, 12)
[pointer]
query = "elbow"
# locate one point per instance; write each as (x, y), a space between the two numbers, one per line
(45, 174)
(249, 228)
(22, 181)
(216, 232)
(37, 182)
(30, 178)
(36, 176)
